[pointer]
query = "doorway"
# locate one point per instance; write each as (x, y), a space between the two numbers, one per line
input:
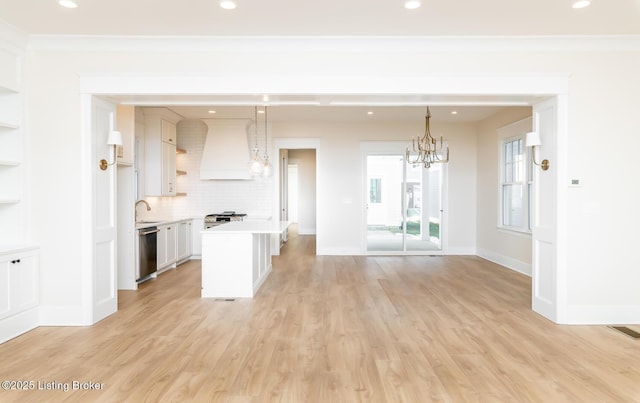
(404, 207)
(296, 179)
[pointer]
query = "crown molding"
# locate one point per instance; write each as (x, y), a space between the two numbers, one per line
(326, 44)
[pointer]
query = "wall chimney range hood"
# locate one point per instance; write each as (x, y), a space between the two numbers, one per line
(226, 150)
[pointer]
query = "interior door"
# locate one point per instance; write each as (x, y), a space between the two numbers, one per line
(544, 225)
(104, 290)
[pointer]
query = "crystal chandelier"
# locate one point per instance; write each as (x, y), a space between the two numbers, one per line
(427, 148)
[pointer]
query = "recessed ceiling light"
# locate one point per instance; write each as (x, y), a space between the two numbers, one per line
(68, 3)
(412, 4)
(228, 4)
(581, 3)
(370, 113)
(454, 112)
(261, 111)
(212, 111)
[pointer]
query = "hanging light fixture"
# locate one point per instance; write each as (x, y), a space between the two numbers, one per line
(427, 148)
(256, 166)
(267, 169)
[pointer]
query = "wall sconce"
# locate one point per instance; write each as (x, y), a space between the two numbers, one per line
(532, 140)
(114, 140)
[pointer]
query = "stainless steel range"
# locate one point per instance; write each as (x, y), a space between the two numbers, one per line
(213, 220)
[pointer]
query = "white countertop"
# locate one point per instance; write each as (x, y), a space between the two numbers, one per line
(249, 227)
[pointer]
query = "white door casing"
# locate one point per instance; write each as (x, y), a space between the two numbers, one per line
(104, 298)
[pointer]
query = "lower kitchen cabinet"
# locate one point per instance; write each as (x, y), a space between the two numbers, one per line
(166, 246)
(19, 292)
(184, 241)
(174, 244)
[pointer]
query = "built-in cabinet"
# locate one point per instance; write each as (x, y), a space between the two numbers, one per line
(19, 291)
(160, 151)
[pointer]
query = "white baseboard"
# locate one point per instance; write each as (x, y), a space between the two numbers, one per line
(460, 251)
(18, 324)
(602, 315)
(306, 231)
(62, 316)
(506, 261)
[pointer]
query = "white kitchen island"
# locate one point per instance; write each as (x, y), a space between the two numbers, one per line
(236, 257)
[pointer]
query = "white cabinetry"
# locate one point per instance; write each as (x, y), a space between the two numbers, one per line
(166, 246)
(168, 184)
(160, 151)
(11, 140)
(19, 292)
(184, 241)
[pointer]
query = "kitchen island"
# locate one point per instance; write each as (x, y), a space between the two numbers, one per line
(236, 257)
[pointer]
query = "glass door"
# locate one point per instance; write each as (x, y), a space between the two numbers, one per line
(404, 205)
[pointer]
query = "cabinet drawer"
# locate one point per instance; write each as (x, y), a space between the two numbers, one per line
(168, 130)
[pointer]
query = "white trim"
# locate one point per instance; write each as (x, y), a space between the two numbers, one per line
(63, 316)
(602, 314)
(342, 44)
(449, 84)
(462, 251)
(506, 261)
(86, 211)
(17, 324)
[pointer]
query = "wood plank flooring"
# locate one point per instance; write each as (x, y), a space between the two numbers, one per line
(331, 329)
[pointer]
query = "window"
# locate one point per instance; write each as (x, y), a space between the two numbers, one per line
(516, 185)
(375, 192)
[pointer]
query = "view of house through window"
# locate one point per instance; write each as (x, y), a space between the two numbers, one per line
(404, 206)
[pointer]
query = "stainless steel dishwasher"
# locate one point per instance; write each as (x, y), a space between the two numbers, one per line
(148, 252)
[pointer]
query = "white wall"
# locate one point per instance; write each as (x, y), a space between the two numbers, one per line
(601, 215)
(507, 248)
(306, 161)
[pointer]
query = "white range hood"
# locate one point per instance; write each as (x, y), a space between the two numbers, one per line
(226, 150)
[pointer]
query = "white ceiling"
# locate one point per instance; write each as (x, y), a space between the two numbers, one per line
(325, 18)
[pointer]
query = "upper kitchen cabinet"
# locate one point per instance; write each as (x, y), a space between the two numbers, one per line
(126, 124)
(160, 151)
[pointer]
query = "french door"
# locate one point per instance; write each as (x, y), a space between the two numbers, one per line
(404, 208)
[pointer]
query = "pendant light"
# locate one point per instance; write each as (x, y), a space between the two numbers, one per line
(267, 169)
(256, 166)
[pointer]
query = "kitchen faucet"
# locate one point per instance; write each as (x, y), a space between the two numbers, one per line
(136, 205)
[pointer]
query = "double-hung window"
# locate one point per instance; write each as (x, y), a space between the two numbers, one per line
(515, 185)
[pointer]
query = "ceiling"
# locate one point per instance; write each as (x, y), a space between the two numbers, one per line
(325, 18)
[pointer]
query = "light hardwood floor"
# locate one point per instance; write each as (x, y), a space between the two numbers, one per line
(332, 329)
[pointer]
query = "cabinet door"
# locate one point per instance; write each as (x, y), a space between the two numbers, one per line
(183, 240)
(162, 246)
(168, 169)
(168, 130)
(171, 243)
(23, 273)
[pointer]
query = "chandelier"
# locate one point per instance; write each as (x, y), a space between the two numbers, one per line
(427, 148)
